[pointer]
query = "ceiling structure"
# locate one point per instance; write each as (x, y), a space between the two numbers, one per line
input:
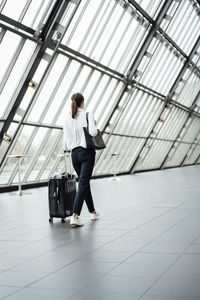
(137, 64)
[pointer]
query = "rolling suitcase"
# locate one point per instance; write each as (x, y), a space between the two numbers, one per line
(62, 192)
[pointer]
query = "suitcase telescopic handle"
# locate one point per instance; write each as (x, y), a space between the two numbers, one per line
(67, 156)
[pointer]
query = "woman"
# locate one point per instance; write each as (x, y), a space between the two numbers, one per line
(82, 158)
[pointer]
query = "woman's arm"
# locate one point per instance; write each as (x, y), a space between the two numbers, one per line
(92, 125)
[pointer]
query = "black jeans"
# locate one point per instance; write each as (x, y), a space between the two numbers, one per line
(83, 161)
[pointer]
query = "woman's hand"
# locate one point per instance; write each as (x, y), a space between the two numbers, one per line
(95, 122)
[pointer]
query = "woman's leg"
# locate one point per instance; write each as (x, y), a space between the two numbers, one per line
(86, 173)
(78, 202)
(83, 162)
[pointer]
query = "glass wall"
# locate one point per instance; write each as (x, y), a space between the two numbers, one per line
(139, 74)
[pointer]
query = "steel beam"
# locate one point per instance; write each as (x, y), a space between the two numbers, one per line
(92, 61)
(143, 137)
(16, 24)
(22, 34)
(142, 11)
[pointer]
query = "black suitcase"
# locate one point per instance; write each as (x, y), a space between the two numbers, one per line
(62, 193)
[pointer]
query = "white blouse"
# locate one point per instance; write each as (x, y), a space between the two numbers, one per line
(73, 129)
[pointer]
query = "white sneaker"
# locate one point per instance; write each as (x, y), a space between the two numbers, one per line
(95, 216)
(76, 222)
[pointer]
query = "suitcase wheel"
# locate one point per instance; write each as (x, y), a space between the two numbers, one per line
(63, 220)
(50, 220)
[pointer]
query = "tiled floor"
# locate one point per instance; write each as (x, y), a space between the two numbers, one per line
(146, 245)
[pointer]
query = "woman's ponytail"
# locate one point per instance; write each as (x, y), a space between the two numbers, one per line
(74, 109)
(77, 100)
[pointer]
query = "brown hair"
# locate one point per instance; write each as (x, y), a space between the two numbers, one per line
(77, 99)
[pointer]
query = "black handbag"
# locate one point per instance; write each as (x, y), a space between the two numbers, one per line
(93, 142)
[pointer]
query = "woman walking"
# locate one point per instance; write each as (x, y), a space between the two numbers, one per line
(83, 159)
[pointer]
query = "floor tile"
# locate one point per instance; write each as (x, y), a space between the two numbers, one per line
(193, 249)
(87, 268)
(179, 271)
(139, 270)
(7, 290)
(19, 279)
(107, 256)
(153, 258)
(165, 248)
(99, 294)
(123, 285)
(166, 298)
(72, 283)
(40, 265)
(176, 288)
(33, 294)
(145, 245)
(189, 259)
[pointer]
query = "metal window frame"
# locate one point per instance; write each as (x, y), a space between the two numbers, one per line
(17, 24)
(170, 94)
(127, 81)
(46, 36)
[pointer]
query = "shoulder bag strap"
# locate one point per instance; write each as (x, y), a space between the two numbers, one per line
(87, 113)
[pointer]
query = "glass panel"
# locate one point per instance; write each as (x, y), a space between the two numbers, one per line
(50, 85)
(66, 77)
(38, 13)
(126, 150)
(26, 99)
(13, 12)
(8, 47)
(170, 124)
(152, 155)
(17, 149)
(36, 138)
(196, 57)
(170, 14)
(188, 87)
(4, 145)
(40, 71)
(50, 164)
(43, 153)
(111, 36)
(104, 98)
(28, 12)
(151, 7)
(184, 25)
(177, 154)
(192, 131)
(116, 114)
(11, 163)
(192, 155)
(17, 69)
(161, 71)
(140, 115)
